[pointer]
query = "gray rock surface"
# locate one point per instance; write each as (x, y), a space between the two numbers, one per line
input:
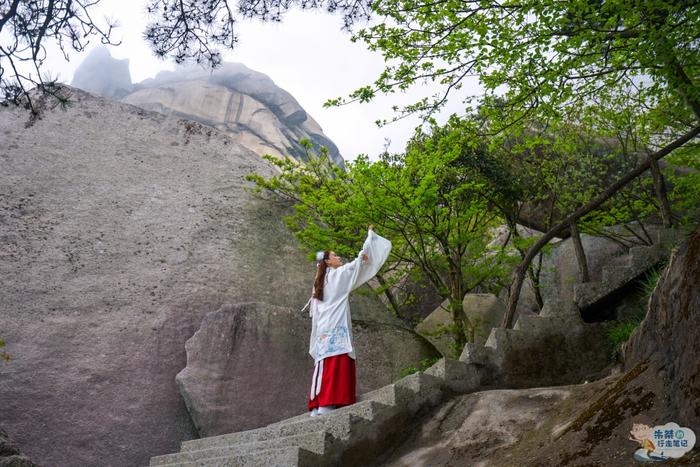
(667, 339)
(120, 230)
(660, 384)
(555, 347)
(433, 328)
(469, 429)
(248, 364)
(485, 312)
(233, 98)
(10, 455)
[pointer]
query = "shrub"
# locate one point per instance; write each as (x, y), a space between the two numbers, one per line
(422, 366)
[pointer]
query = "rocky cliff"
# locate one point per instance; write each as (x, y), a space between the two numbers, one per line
(242, 102)
(120, 230)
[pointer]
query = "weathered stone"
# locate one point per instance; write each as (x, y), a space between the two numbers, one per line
(527, 359)
(587, 424)
(458, 376)
(121, 229)
(233, 98)
(248, 364)
(477, 354)
(485, 312)
(668, 336)
(10, 456)
(434, 329)
(7, 447)
(467, 430)
(416, 296)
(660, 384)
(614, 278)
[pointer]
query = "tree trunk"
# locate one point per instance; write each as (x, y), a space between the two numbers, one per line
(582, 211)
(580, 253)
(460, 329)
(534, 277)
(660, 187)
(389, 295)
(535, 280)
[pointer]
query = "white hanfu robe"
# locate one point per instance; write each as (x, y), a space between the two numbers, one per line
(331, 328)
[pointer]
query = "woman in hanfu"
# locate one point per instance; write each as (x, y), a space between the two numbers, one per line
(331, 344)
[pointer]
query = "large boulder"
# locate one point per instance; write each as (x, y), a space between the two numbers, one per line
(120, 230)
(248, 364)
(667, 338)
(470, 429)
(485, 312)
(434, 328)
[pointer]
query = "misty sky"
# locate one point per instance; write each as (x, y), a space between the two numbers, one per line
(307, 55)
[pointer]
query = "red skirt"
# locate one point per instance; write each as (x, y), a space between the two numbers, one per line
(337, 382)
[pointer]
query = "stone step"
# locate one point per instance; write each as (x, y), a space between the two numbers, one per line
(457, 376)
(563, 309)
(351, 408)
(385, 395)
(612, 274)
(479, 355)
(499, 338)
(316, 442)
(645, 258)
(587, 293)
(336, 422)
(531, 323)
(418, 390)
(284, 457)
(314, 434)
(640, 257)
(565, 315)
(640, 254)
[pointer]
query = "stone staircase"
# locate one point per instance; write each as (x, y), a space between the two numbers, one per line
(554, 347)
(536, 352)
(352, 435)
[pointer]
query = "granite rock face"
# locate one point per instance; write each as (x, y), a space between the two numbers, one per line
(469, 429)
(433, 328)
(233, 98)
(668, 337)
(10, 455)
(485, 312)
(248, 364)
(120, 229)
(586, 424)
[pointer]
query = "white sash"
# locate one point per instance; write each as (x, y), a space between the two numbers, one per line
(316, 380)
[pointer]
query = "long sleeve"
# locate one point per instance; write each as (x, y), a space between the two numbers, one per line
(357, 272)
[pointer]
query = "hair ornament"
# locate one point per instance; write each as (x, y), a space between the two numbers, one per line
(320, 255)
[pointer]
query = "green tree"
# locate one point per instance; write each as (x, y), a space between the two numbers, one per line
(538, 60)
(25, 29)
(436, 213)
